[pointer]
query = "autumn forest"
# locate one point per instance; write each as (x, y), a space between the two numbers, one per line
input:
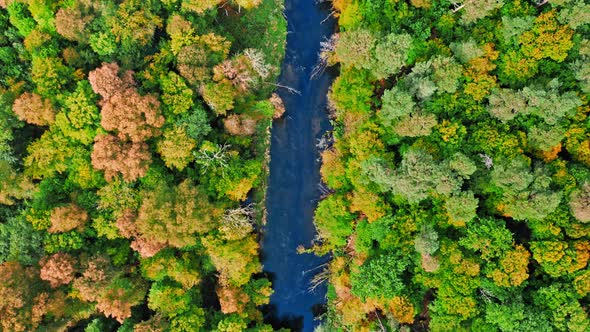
(134, 153)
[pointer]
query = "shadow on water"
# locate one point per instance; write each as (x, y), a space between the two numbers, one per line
(293, 190)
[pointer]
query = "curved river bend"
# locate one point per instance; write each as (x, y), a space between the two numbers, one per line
(293, 192)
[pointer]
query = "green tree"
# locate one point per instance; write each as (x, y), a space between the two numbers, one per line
(381, 277)
(333, 220)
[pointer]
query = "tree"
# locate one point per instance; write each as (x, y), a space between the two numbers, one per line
(132, 116)
(48, 155)
(575, 15)
(71, 24)
(415, 125)
(419, 175)
(58, 269)
(13, 186)
(561, 305)
(19, 17)
(127, 228)
(176, 96)
(426, 242)
(390, 55)
(545, 137)
(232, 299)
(219, 96)
(396, 103)
(420, 80)
(176, 148)
(549, 104)
(512, 176)
(199, 6)
(79, 119)
(239, 71)
(173, 215)
(354, 48)
(515, 26)
(107, 82)
(130, 160)
(381, 277)
(119, 296)
(333, 220)
(465, 51)
(547, 38)
(237, 223)
(475, 10)
(49, 75)
(20, 242)
(369, 204)
(169, 299)
(18, 285)
(506, 104)
(240, 125)
(184, 268)
(66, 218)
(235, 261)
(134, 24)
(446, 73)
(461, 208)
(489, 237)
(248, 4)
(511, 268)
(560, 258)
(33, 109)
(195, 123)
(352, 92)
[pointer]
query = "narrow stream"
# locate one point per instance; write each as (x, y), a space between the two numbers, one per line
(294, 172)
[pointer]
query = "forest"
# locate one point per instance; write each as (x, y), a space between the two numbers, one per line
(460, 172)
(131, 135)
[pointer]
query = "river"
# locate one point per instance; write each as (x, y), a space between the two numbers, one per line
(293, 192)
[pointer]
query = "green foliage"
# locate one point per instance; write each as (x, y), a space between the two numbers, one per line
(169, 299)
(19, 241)
(177, 97)
(461, 208)
(380, 277)
(20, 17)
(333, 220)
(417, 177)
(352, 91)
(70, 241)
(396, 104)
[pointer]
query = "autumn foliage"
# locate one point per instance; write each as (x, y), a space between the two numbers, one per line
(32, 108)
(132, 116)
(58, 269)
(67, 218)
(115, 157)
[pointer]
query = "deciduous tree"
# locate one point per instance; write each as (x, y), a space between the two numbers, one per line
(66, 218)
(34, 109)
(58, 269)
(128, 159)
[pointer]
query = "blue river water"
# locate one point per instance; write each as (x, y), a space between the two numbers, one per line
(293, 192)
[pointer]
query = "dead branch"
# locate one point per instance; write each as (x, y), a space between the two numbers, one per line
(290, 89)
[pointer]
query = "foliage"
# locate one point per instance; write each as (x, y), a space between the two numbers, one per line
(106, 108)
(380, 277)
(466, 160)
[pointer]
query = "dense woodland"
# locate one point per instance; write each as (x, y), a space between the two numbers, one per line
(460, 172)
(131, 134)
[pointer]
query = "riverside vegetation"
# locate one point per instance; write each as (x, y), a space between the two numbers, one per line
(131, 133)
(460, 172)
